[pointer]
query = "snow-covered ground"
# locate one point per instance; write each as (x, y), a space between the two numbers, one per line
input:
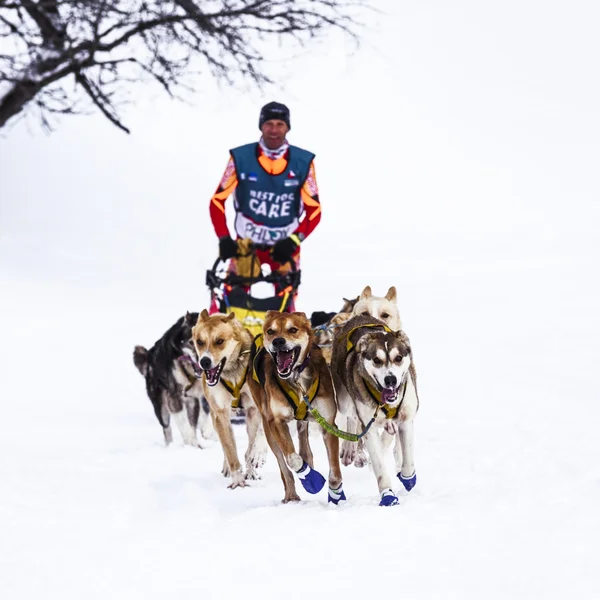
(471, 186)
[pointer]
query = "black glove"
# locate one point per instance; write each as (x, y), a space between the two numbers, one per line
(283, 249)
(227, 247)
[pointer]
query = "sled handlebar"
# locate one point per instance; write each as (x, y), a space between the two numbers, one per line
(291, 278)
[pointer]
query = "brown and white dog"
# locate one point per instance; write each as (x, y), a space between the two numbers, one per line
(375, 378)
(223, 348)
(288, 369)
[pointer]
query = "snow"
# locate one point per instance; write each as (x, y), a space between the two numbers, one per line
(483, 213)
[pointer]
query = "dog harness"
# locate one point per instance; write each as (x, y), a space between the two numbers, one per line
(235, 389)
(297, 402)
(350, 345)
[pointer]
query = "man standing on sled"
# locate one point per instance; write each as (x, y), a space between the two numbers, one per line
(276, 198)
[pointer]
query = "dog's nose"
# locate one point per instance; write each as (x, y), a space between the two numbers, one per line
(279, 342)
(390, 381)
(205, 363)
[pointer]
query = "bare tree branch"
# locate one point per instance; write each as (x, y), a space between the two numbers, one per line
(106, 45)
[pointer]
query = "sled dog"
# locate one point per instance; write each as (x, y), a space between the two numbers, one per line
(222, 345)
(288, 371)
(375, 378)
(384, 308)
(171, 383)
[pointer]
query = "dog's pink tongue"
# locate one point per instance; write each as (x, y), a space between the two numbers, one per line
(388, 395)
(285, 360)
(212, 373)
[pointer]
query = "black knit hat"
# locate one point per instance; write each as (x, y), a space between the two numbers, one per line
(274, 110)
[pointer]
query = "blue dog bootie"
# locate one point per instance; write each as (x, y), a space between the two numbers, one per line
(336, 496)
(388, 498)
(312, 481)
(408, 482)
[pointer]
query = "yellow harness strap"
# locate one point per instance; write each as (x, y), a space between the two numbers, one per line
(236, 389)
(350, 345)
(297, 402)
(259, 348)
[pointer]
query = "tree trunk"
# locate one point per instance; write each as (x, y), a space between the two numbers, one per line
(16, 99)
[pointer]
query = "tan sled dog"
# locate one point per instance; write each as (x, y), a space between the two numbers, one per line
(384, 308)
(223, 348)
(288, 370)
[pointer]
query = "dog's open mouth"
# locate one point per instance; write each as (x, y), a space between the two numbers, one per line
(285, 361)
(213, 375)
(389, 395)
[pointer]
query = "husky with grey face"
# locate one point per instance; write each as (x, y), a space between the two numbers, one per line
(375, 378)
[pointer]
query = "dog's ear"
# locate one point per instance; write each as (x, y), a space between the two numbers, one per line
(404, 339)
(366, 293)
(300, 314)
(391, 294)
(204, 316)
(362, 345)
(230, 316)
(271, 314)
(189, 320)
(140, 359)
(348, 304)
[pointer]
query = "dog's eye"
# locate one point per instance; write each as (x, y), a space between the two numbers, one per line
(385, 316)
(293, 330)
(366, 313)
(199, 343)
(220, 342)
(377, 361)
(270, 332)
(398, 359)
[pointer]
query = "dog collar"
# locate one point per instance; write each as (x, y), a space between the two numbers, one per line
(304, 364)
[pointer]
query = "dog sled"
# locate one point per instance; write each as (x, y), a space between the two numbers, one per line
(231, 288)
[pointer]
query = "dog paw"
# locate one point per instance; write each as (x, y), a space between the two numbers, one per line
(251, 474)
(291, 497)
(336, 496)
(390, 427)
(408, 482)
(388, 498)
(225, 470)
(312, 481)
(257, 458)
(237, 480)
(348, 453)
(361, 460)
(194, 443)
